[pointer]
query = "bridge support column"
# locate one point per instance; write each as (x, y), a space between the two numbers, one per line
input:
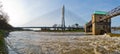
(102, 27)
(88, 29)
(94, 25)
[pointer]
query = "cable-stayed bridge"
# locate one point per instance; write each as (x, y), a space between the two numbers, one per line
(62, 17)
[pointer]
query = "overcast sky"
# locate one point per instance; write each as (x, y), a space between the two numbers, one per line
(34, 12)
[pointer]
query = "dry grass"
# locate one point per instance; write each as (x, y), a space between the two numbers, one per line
(113, 35)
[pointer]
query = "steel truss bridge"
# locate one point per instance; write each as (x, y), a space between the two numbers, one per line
(99, 20)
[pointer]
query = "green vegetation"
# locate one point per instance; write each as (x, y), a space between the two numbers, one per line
(2, 33)
(4, 26)
(3, 47)
(71, 28)
(62, 31)
(113, 35)
(1, 38)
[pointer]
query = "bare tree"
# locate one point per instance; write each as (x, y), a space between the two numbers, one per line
(4, 19)
(3, 15)
(55, 25)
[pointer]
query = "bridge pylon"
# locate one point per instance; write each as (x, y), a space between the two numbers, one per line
(63, 18)
(100, 27)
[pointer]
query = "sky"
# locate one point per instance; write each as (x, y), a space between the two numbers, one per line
(47, 12)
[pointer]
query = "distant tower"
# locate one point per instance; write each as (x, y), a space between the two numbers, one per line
(63, 18)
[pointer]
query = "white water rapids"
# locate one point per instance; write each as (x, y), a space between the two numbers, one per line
(30, 42)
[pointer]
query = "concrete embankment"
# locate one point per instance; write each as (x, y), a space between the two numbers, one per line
(3, 47)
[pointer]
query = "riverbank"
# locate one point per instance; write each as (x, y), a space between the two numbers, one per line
(61, 31)
(113, 35)
(3, 47)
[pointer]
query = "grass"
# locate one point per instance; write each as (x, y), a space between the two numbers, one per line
(1, 37)
(113, 35)
(2, 32)
(2, 43)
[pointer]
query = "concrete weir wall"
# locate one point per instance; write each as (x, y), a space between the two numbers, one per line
(100, 27)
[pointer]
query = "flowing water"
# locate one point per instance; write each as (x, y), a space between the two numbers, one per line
(116, 31)
(30, 42)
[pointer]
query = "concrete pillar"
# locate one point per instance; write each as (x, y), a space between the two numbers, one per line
(96, 28)
(94, 25)
(88, 28)
(85, 28)
(102, 27)
(108, 26)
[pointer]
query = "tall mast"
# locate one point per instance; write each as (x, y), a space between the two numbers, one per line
(63, 18)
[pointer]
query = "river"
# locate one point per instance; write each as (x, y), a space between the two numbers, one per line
(30, 42)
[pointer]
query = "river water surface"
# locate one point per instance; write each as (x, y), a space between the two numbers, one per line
(30, 42)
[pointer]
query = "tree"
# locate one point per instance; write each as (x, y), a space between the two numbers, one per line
(4, 20)
(55, 25)
(77, 25)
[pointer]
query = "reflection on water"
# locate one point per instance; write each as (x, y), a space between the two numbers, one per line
(29, 42)
(116, 31)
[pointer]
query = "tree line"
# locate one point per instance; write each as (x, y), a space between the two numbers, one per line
(4, 18)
